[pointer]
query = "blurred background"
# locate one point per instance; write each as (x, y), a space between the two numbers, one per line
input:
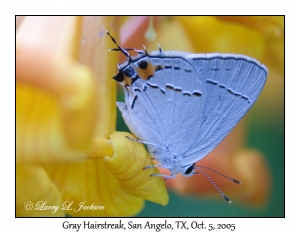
(262, 130)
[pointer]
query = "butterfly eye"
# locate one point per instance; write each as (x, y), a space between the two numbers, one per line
(129, 72)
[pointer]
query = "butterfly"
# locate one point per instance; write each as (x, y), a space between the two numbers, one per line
(182, 105)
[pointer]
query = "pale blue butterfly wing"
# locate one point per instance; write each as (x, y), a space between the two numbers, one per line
(233, 83)
(155, 108)
(187, 103)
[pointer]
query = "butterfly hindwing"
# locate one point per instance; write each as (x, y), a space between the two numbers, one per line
(233, 83)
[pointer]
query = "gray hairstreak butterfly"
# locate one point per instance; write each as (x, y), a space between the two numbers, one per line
(182, 105)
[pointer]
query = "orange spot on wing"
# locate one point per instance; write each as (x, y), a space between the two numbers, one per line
(145, 74)
(127, 81)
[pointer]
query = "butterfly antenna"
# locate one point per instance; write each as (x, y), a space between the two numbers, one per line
(233, 180)
(120, 48)
(127, 49)
(159, 48)
(145, 50)
(216, 186)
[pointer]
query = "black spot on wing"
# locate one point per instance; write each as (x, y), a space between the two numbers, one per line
(170, 87)
(143, 64)
(196, 93)
(158, 68)
(229, 90)
(133, 102)
(137, 89)
(246, 98)
(152, 85)
(212, 82)
(187, 94)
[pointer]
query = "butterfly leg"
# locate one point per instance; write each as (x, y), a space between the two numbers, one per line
(154, 166)
(173, 175)
(151, 166)
(139, 141)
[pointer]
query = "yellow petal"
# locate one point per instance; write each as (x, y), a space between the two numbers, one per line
(56, 107)
(272, 30)
(118, 183)
(94, 53)
(62, 118)
(127, 165)
(93, 183)
(261, 37)
(209, 34)
(34, 189)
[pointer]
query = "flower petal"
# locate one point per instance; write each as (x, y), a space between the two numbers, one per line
(33, 189)
(127, 165)
(92, 183)
(255, 173)
(94, 53)
(241, 40)
(56, 107)
(272, 30)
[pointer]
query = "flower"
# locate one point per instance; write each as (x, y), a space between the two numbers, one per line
(67, 147)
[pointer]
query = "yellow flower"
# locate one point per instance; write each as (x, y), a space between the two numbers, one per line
(68, 152)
